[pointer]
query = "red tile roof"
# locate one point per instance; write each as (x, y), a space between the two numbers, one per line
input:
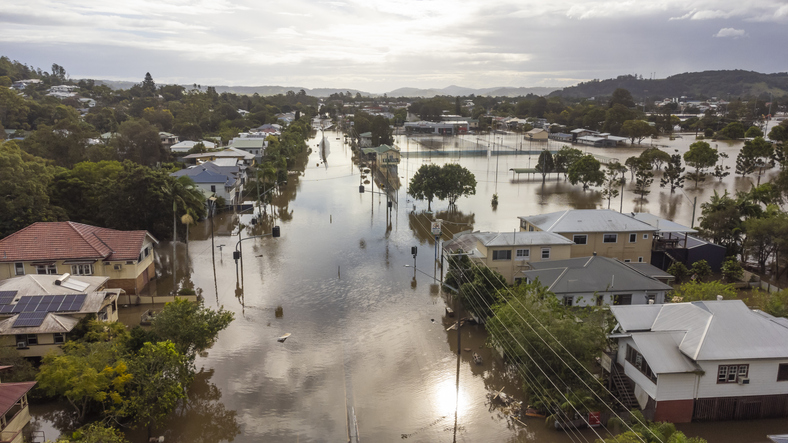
(70, 241)
(10, 393)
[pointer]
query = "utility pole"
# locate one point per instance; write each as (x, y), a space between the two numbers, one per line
(174, 240)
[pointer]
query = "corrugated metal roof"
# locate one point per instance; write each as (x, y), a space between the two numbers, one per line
(651, 270)
(591, 274)
(522, 238)
(11, 393)
(636, 317)
(663, 224)
(715, 330)
(34, 284)
(662, 352)
(53, 323)
(587, 220)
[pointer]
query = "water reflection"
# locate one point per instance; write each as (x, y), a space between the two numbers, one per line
(453, 222)
(201, 418)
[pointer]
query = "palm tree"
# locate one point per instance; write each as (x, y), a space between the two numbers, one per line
(181, 190)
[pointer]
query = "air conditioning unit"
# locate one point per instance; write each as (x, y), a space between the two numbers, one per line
(21, 345)
(743, 381)
(118, 267)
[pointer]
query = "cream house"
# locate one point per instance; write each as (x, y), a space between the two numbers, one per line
(37, 312)
(53, 248)
(510, 253)
(599, 232)
(14, 409)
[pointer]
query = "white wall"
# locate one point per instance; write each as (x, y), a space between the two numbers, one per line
(638, 298)
(633, 373)
(676, 386)
(762, 375)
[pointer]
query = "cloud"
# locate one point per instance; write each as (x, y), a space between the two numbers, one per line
(730, 32)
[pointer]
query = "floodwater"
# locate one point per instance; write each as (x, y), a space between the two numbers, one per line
(369, 358)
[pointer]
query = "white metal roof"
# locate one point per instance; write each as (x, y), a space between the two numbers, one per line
(715, 330)
(521, 238)
(662, 352)
(663, 224)
(591, 274)
(588, 220)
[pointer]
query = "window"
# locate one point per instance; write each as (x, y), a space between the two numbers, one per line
(782, 372)
(502, 255)
(622, 299)
(518, 280)
(46, 269)
(545, 253)
(82, 269)
(523, 254)
(213, 188)
(640, 259)
(731, 373)
(530, 228)
(645, 236)
(568, 300)
(600, 300)
(32, 339)
(651, 298)
(633, 238)
(626, 260)
(636, 359)
(610, 238)
(19, 268)
(580, 239)
(59, 337)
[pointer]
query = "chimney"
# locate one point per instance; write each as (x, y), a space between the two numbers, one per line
(719, 298)
(594, 253)
(651, 301)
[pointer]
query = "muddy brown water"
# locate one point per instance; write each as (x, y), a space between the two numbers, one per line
(369, 338)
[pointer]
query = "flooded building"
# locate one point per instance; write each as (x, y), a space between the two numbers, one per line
(705, 360)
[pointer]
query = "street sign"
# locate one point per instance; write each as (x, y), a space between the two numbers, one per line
(436, 227)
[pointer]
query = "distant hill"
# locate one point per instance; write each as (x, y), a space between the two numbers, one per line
(247, 90)
(501, 91)
(722, 84)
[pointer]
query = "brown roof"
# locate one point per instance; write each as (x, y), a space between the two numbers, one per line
(69, 240)
(10, 393)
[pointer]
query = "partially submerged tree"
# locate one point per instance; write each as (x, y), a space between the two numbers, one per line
(673, 175)
(545, 164)
(700, 156)
(636, 130)
(586, 170)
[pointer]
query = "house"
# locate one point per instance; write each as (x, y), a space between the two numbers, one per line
(223, 178)
(704, 360)
(385, 155)
(365, 140)
(537, 135)
(37, 312)
(509, 253)
(246, 158)
(21, 85)
(599, 232)
(253, 144)
(587, 281)
(51, 248)
(14, 408)
(673, 242)
(187, 145)
(167, 139)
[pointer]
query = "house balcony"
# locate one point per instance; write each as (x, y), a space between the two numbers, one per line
(20, 417)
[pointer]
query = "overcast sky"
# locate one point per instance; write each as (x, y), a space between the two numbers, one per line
(381, 45)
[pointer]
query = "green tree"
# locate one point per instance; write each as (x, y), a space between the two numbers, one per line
(96, 432)
(701, 269)
(586, 170)
(721, 221)
(700, 291)
(732, 130)
(14, 110)
(700, 156)
(615, 118)
(148, 86)
(85, 375)
(643, 179)
(158, 381)
(772, 303)
(655, 157)
(381, 131)
(478, 285)
(139, 141)
(425, 183)
(678, 270)
(192, 328)
(636, 130)
(455, 182)
(753, 131)
(720, 170)
(765, 235)
(623, 97)
(545, 164)
(24, 180)
(732, 270)
(779, 133)
(673, 175)
(544, 338)
(754, 154)
(565, 158)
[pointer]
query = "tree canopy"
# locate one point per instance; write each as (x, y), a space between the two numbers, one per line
(448, 182)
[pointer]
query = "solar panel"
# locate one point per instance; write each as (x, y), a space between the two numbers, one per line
(22, 304)
(6, 309)
(55, 303)
(6, 297)
(30, 319)
(76, 304)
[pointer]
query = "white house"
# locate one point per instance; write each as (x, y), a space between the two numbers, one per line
(187, 145)
(705, 360)
(222, 181)
(595, 280)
